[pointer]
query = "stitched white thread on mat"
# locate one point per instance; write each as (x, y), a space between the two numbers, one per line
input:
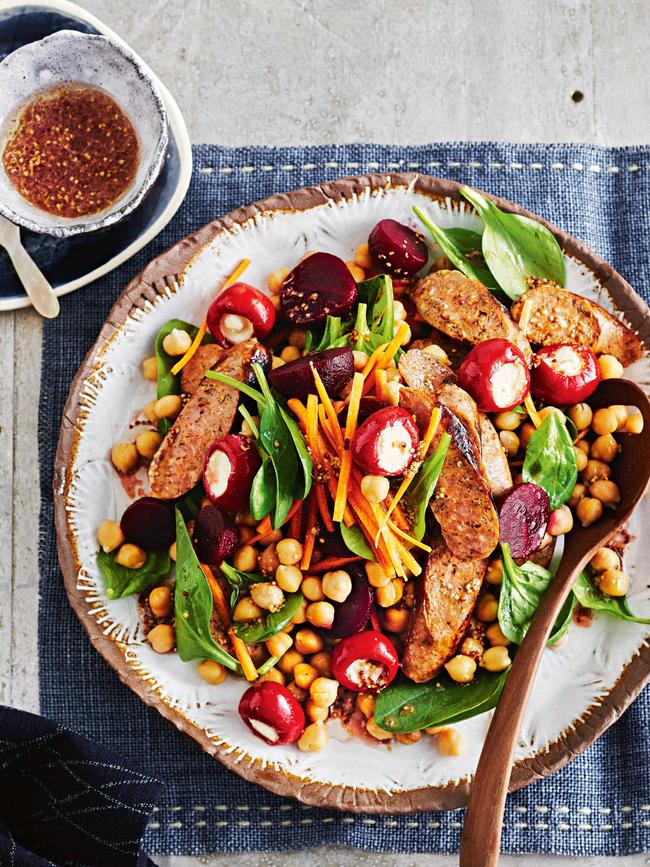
(472, 164)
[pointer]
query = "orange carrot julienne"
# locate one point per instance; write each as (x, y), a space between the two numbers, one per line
(376, 625)
(242, 654)
(328, 406)
(266, 526)
(296, 522)
(221, 604)
(310, 534)
(381, 378)
(346, 455)
(330, 564)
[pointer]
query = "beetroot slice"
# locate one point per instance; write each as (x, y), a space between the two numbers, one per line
(319, 286)
(296, 379)
(352, 615)
(524, 510)
(215, 535)
(396, 249)
(149, 523)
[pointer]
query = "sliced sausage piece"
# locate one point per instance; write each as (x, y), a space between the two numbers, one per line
(421, 370)
(496, 465)
(445, 598)
(205, 357)
(554, 315)
(461, 503)
(465, 310)
(207, 416)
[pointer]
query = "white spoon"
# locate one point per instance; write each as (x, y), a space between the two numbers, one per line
(38, 289)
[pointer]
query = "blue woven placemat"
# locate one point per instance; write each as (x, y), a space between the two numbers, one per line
(600, 804)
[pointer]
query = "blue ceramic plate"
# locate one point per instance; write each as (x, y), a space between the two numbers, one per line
(72, 262)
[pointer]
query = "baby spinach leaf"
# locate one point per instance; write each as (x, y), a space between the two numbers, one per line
(273, 623)
(405, 706)
(550, 460)
(263, 492)
(304, 458)
(190, 503)
(167, 382)
(334, 336)
(589, 596)
(424, 484)
(193, 606)
(377, 294)
(522, 589)
(456, 244)
(356, 541)
(516, 247)
(121, 581)
(563, 621)
(239, 581)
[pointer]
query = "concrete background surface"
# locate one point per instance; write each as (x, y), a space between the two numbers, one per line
(309, 72)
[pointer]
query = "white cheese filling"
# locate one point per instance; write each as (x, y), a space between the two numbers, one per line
(365, 673)
(236, 328)
(218, 472)
(508, 383)
(265, 730)
(394, 448)
(565, 360)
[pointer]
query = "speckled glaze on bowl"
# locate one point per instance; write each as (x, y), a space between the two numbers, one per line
(70, 56)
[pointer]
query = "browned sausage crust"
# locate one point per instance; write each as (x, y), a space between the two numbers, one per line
(205, 357)
(207, 416)
(465, 309)
(554, 315)
(495, 462)
(445, 598)
(421, 370)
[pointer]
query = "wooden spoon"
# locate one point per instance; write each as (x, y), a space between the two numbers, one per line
(480, 843)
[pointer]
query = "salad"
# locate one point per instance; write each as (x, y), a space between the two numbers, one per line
(358, 478)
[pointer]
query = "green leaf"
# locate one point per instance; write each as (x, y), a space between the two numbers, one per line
(167, 382)
(455, 244)
(377, 294)
(550, 460)
(239, 581)
(302, 452)
(356, 541)
(263, 490)
(361, 328)
(240, 386)
(193, 606)
(516, 248)
(334, 336)
(405, 706)
(522, 589)
(121, 581)
(268, 665)
(424, 484)
(563, 621)
(589, 596)
(273, 623)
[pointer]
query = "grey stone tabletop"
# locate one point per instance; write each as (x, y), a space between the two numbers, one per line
(289, 72)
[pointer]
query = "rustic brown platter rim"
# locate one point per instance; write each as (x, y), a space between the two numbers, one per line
(139, 293)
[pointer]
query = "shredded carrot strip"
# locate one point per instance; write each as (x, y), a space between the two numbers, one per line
(296, 522)
(323, 509)
(393, 346)
(220, 601)
(311, 425)
(266, 526)
(403, 535)
(381, 378)
(244, 657)
(346, 455)
(376, 625)
(370, 364)
(532, 412)
(327, 404)
(330, 564)
(526, 313)
(310, 534)
(236, 274)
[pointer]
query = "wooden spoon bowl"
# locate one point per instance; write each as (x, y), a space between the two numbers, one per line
(480, 843)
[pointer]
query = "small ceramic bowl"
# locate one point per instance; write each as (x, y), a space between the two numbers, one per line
(69, 56)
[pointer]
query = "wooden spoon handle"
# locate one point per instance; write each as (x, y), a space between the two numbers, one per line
(481, 838)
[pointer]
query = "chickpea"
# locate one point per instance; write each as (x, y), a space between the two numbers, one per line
(324, 691)
(289, 660)
(551, 410)
(277, 645)
(148, 443)
(461, 668)
(337, 585)
(509, 442)
(288, 578)
(161, 601)
(275, 280)
(584, 446)
(407, 334)
(581, 415)
(409, 738)
(177, 342)
(290, 353)
(581, 459)
(495, 636)
(399, 312)
(360, 359)
(162, 638)
(245, 533)
(321, 614)
(589, 510)
(298, 338)
(312, 588)
(150, 369)
(390, 393)
(634, 423)
(376, 575)
(396, 619)
(365, 702)
(246, 610)
(321, 662)
(269, 561)
(362, 257)
(578, 493)
(508, 420)
(613, 582)
(314, 738)
(301, 614)
(487, 608)
(560, 521)
(267, 595)
(610, 367)
(289, 552)
(605, 491)
(605, 558)
(273, 675)
(495, 658)
(212, 672)
(169, 406)
(526, 432)
(604, 421)
(276, 362)
(376, 732)
(172, 551)
(246, 430)
(442, 263)
(621, 414)
(450, 742)
(315, 713)
(149, 412)
(304, 675)
(131, 556)
(110, 536)
(494, 572)
(308, 641)
(270, 537)
(357, 272)
(124, 457)
(245, 558)
(596, 470)
(438, 353)
(389, 594)
(297, 692)
(472, 647)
